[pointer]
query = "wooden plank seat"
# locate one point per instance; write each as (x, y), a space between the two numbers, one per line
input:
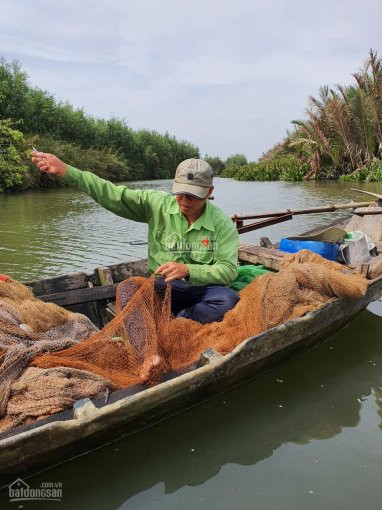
(58, 284)
(80, 296)
(268, 257)
(88, 293)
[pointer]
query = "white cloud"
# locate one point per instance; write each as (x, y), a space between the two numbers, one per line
(228, 76)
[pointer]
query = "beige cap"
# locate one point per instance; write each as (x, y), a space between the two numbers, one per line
(193, 177)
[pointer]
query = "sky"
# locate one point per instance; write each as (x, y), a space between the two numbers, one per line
(226, 75)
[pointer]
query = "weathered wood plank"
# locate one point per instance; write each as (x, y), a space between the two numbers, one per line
(75, 281)
(105, 275)
(87, 309)
(268, 257)
(368, 210)
(375, 267)
(110, 310)
(271, 258)
(209, 356)
(112, 307)
(120, 272)
(74, 297)
(58, 284)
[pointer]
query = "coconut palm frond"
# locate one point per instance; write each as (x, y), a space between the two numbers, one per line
(342, 125)
(302, 141)
(343, 91)
(360, 107)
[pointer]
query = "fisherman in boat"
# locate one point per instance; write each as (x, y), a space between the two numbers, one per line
(192, 244)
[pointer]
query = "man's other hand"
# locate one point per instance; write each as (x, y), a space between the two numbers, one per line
(49, 163)
(173, 271)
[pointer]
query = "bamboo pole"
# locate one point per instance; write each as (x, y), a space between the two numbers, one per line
(313, 210)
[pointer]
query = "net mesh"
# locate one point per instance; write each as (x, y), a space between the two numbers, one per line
(143, 342)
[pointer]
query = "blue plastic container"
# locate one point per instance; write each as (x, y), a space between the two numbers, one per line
(327, 250)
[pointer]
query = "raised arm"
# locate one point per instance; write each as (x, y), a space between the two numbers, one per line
(131, 204)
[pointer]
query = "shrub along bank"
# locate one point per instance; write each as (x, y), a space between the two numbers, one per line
(371, 172)
(284, 168)
(110, 148)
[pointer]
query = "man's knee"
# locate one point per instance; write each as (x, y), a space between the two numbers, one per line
(231, 298)
(214, 306)
(224, 297)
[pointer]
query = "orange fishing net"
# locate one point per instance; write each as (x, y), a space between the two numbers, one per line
(143, 332)
(143, 341)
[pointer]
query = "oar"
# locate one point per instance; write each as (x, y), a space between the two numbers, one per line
(279, 216)
(377, 195)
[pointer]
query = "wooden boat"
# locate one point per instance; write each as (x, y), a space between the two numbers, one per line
(92, 423)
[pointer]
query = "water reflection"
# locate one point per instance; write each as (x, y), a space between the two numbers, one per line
(378, 400)
(320, 396)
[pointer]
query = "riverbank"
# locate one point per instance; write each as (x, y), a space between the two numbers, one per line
(109, 166)
(17, 172)
(291, 168)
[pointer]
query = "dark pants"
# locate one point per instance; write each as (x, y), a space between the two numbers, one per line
(207, 303)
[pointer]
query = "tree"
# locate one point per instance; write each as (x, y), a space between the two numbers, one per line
(343, 129)
(236, 159)
(12, 169)
(147, 154)
(217, 164)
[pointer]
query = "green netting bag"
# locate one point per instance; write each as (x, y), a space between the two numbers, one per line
(246, 274)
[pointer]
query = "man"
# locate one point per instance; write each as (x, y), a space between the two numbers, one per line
(192, 244)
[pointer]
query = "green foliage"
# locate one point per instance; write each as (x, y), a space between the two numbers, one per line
(217, 164)
(236, 159)
(12, 149)
(372, 172)
(356, 176)
(109, 147)
(105, 163)
(283, 168)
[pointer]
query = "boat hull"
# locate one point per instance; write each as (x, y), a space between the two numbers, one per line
(92, 424)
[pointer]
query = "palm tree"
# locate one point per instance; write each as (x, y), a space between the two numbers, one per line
(369, 80)
(343, 126)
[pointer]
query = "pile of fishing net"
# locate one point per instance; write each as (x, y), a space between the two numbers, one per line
(68, 358)
(29, 327)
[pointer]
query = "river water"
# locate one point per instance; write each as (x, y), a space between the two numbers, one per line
(307, 435)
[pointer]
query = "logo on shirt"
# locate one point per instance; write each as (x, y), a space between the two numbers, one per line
(204, 244)
(173, 242)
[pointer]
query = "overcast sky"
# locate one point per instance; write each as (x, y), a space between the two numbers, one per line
(226, 75)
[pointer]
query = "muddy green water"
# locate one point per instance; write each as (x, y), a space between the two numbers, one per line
(305, 436)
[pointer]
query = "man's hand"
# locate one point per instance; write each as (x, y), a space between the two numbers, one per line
(49, 163)
(173, 271)
(152, 369)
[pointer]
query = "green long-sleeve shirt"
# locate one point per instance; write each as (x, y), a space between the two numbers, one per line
(209, 246)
